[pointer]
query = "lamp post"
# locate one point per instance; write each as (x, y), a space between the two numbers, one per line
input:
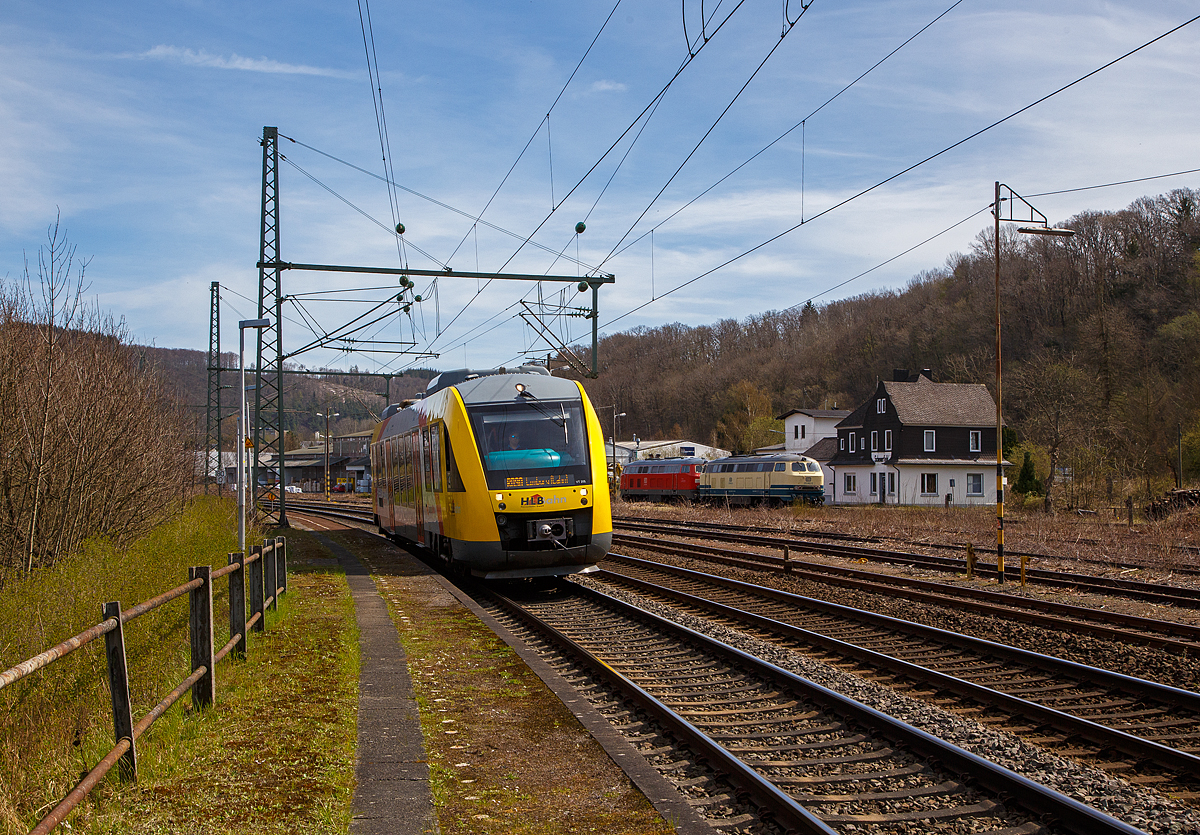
(243, 446)
(327, 415)
(1043, 227)
(614, 439)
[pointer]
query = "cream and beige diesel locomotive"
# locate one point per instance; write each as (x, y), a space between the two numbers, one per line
(499, 473)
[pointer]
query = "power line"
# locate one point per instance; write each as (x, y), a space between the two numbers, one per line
(788, 132)
(708, 132)
(1118, 183)
(901, 173)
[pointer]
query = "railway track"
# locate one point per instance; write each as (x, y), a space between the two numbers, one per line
(1170, 635)
(829, 794)
(801, 757)
(1132, 728)
(831, 542)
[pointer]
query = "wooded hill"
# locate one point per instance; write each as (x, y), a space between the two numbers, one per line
(1101, 348)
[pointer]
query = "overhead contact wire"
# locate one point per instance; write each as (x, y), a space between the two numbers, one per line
(912, 167)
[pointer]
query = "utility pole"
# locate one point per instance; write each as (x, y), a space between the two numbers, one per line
(268, 374)
(212, 413)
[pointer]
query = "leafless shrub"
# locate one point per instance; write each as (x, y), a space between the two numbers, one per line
(91, 446)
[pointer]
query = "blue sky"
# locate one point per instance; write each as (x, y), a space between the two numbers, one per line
(140, 123)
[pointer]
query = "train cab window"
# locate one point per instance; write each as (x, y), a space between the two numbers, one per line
(454, 482)
(797, 466)
(781, 467)
(531, 444)
(814, 467)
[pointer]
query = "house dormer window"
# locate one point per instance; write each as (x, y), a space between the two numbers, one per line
(852, 442)
(874, 441)
(976, 440)
(930, 441)
(887, 440)
(841, 443)
(881, 406)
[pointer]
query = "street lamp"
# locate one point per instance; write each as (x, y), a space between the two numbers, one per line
(1043, 227)
(328, 415)
(614, 439)
(243, 444)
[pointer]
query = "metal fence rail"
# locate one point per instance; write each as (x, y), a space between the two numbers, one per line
(262, 573)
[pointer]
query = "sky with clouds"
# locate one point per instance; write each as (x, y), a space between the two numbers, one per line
(139, 124)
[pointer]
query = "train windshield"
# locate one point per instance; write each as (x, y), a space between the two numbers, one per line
(526, 445)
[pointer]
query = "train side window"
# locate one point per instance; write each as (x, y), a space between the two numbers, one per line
(780, 467)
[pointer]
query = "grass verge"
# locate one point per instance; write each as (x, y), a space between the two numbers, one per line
(276, 753)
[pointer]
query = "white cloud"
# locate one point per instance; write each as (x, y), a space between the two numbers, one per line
(605, 86)
(200, 58)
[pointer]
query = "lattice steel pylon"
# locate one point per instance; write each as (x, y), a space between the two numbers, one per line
(212, 414)
(268, 376)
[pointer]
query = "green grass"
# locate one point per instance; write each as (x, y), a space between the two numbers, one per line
(276, 753)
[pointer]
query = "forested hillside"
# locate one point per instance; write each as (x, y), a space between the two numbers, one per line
(1101, 347)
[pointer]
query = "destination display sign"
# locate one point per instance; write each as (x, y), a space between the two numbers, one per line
(530, 482)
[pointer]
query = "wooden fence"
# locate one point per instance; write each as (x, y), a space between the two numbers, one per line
(256, 580)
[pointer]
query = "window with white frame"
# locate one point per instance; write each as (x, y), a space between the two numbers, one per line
(928, 484)
(874, 484)
(891, 484)
(974, 484)
(841, 443)
(850, 483)
(881, 405)
(852, 442)
(874, 443)
(976, 440)
(887, 440)
(930, 441)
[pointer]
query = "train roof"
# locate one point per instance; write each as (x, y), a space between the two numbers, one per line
(498, 385)
(781, 456)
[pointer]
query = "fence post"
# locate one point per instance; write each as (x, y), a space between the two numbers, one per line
(118, 686)
(787, 558)
(256, 588)
(270, 579)
(237, 603)
(970, 561)
(281, 566)
(200, 619)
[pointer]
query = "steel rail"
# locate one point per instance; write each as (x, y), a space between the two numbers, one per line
(1102, 734)
(1191, 550)
(1032, 796)
(1153, 592)
(925, 591)
(778, 805)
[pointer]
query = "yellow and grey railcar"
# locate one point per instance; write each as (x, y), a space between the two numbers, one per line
(499, 473)
(751, 479)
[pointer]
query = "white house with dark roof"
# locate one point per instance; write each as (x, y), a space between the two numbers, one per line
(804, 427)
(917, 442)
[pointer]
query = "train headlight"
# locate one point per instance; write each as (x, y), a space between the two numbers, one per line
(503, 506)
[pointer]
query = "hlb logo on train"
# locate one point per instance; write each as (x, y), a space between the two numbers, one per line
(538, 499)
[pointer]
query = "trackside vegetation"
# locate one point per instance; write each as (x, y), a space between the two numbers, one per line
(275, 753)
(93, 445)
